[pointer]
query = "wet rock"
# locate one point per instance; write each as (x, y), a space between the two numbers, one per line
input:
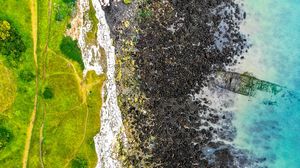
(175, 55)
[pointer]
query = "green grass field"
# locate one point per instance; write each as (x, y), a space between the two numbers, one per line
(65, 124)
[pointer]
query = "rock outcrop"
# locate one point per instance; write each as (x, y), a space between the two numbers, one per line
(244, 84)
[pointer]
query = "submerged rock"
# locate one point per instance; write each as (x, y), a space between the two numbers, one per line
(244, 84)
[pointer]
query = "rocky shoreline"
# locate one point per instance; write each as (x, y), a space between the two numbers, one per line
(175, 47)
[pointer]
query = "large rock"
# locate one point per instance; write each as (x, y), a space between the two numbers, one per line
(244, 84)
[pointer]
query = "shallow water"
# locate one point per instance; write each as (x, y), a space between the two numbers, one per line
(269, 126)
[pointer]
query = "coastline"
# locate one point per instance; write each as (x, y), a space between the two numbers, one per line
(172, 73)
(179, 102)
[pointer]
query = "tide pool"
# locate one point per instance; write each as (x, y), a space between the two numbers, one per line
(269, 126)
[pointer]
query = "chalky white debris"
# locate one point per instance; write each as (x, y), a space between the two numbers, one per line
(111, 119)
(80, 26)
(106, 2)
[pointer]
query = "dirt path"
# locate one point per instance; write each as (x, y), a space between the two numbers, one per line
(42, 139)
(81, 85)
(33, 7)
(83, 89)
(45, 59)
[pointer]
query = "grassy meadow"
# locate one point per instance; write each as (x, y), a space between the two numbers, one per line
(67, 115)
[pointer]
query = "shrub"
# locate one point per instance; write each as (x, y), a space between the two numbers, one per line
(70, 49)
(5, 137)
(11, 43)
(61, 12)
(4, 30)
(48, 93)
(69, 26)
(79, 163)
(26, 76)
(127, 2)
(65, 9)
(69, 1)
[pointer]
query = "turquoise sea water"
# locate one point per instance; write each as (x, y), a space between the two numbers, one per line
(269, 126)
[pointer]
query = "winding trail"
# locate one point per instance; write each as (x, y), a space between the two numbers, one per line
(33, 8)
(45, 59)
(83, 89)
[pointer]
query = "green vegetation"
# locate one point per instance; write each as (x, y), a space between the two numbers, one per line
(48, 93)
(127, 2)
(69, 26)
(11, 43)
(5, 137)
(64, 10)
(26, 76)
(16, 96)
(79, 162)
(69, 1)
(7, 88)
(92, 34)
(65, 124)
(144, 13)
(4, 30)
(70, 49)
